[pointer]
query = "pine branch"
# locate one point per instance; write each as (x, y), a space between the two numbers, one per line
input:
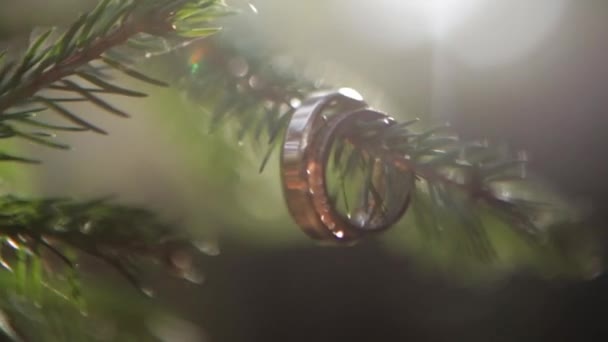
(465, 185)
(91, 38)
(40, 230)
(116, 234)
(39, 239)
(128, 233)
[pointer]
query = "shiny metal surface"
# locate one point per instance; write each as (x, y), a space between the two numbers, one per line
(305, 123)
(308, 142)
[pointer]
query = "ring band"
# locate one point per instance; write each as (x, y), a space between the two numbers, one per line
(304, 123)
(306, 150)
(318, 159)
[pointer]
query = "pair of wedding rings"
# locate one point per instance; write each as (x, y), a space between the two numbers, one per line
(317, 125)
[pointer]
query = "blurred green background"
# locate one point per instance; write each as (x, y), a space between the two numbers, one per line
(529, 74)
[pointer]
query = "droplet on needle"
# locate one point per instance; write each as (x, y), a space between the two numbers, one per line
(253, 8)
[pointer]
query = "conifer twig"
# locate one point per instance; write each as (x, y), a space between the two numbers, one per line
(119, 235)
(459, 183)
(159, 24)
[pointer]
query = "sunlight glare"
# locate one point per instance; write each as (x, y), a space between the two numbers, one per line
(411, 21)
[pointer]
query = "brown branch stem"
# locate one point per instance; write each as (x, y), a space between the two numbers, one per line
(474, 189)
(398, 160)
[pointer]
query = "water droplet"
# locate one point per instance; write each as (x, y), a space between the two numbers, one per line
(87, 228)
(165, 328)
(361, 218)
(147, 292)
(209, 247)
(194, 276)
(253, 8)
(181, 260)
(255, 82)
(60, 227)
(14, 245)
(238, 67)
(5, 265)
(339, 234)
(148, 55)
(295, 102)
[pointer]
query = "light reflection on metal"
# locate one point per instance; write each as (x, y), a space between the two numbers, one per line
(295, 168)
(253, 8)
(351, 93)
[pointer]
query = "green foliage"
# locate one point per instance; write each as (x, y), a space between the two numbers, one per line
(76, 53)
(76, 62)
(476, 212)
(458, 183)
